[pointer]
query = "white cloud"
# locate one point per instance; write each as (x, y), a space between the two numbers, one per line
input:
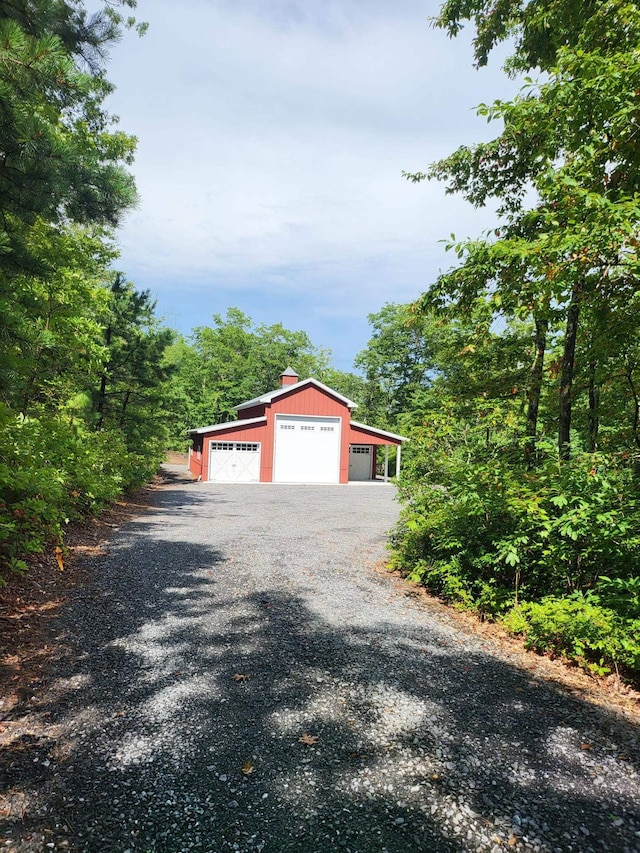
(272, 137)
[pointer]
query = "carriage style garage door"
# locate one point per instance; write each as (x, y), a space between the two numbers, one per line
(307, 450)
(234, 462)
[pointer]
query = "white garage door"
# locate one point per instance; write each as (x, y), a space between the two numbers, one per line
(360, 461)
(307, 450)
(234, 462)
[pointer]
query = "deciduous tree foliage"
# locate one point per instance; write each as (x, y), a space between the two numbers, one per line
(513, 520)
(234, 360)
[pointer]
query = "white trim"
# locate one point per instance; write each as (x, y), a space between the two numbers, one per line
(376, 431)
(273, 395)
(228, 425)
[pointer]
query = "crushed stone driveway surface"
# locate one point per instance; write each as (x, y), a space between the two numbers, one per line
(243, 680)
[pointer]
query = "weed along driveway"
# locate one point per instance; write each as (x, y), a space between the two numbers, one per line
(242, 679)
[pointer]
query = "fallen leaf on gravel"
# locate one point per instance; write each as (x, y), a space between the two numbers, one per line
(512, 841)
(435, 776)
(240, 677)
(248, 768)
(623, 757)
(59, 561)
(585, 746)
(309, 740)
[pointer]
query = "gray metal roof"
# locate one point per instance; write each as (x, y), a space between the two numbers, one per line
(272, 395)
(228, 425)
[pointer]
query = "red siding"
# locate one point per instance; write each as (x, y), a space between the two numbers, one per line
(309, 401)
(253, 412)
(195, 457)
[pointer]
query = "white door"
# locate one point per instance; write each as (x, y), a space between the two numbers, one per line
(234, 462)
(360, 464)
(307, 450)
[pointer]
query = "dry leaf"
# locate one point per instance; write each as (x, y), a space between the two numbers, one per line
(58, 553)
(512, 841)
(585, 746)
(309, 740)
(240, 677)
(248, 768)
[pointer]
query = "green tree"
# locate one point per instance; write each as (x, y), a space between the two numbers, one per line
(235, 360)
(568, 138)
(485, 524)
(135, 371)
(64, 184)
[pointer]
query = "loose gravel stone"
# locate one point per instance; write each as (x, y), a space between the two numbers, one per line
(244, 681)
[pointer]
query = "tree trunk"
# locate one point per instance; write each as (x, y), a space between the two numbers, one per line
(566, 378)
(102, 393)
(125, 404)
(594, 403)
(102, 396)
(636, 404)
(535, 388)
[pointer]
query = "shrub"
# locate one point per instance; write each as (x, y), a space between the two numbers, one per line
(524, 534)
(55, 469)
(592, 635)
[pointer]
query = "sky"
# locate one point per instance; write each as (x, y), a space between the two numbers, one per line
(272, 137)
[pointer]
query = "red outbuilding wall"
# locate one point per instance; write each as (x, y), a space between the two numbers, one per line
(308, 400)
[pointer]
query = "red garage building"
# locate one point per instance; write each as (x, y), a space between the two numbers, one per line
(300, 433)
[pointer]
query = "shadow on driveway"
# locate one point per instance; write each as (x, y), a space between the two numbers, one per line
(177, 726)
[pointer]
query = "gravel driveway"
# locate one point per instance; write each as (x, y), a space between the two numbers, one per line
(242, 680)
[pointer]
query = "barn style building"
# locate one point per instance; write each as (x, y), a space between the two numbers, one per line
(300, 433)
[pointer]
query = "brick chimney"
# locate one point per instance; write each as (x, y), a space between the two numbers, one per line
(289, 377)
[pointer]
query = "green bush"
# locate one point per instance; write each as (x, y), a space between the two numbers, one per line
(55, 469)
(506, 532)
(592, 635)
(561, 540)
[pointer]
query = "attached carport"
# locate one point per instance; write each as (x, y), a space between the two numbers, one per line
(364, 441)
